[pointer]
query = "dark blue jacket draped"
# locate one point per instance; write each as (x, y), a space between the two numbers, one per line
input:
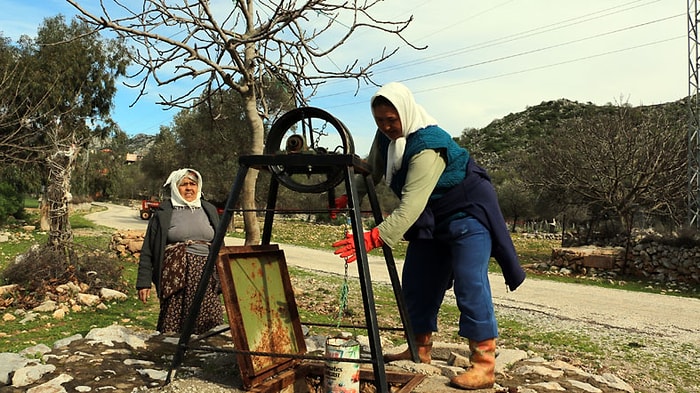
(473, 196)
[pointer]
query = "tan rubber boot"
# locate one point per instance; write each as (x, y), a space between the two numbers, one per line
(481, 374)
(424, 345)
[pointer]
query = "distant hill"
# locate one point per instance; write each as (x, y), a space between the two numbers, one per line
(517, 131)
(140, 144)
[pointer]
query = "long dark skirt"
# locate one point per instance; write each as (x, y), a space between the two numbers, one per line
(182, 272)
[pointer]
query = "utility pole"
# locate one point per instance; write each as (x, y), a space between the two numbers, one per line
(693, 118)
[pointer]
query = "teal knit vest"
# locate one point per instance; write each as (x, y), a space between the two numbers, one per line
(435, 138)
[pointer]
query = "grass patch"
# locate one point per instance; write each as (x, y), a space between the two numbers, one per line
(19, 330)
(520, 336)
(20, 333)
(20, 243)
(31, 203)
(78, 221)
(534, 250)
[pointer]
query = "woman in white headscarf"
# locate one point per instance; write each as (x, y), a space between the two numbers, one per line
(174, 252)
(449, 213)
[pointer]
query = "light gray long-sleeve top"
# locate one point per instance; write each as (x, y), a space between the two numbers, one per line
(424, 170)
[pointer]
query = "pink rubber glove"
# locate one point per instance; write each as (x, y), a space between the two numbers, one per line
(346, 248)
(341, 202)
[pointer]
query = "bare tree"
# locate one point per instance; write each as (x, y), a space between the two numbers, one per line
(239, 45)
(60, 163)
(622, 162)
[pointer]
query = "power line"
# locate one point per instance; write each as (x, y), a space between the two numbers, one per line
(543, 48)
(502, 75)
(553, 64)
(473, 17)
(596, 15)
(454, 53)
(519, 36)
(509, 38)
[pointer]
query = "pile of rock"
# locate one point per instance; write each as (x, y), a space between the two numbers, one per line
(71, 298)
(6, 236)
(666, 263)
(78, 363)
(127, 243)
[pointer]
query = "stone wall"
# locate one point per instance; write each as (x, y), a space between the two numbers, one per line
(651, 260)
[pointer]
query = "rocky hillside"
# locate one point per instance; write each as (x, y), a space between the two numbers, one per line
(518, 131)
(140, 143)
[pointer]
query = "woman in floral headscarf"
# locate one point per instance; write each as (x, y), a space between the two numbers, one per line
(449, 213)
(174, 252)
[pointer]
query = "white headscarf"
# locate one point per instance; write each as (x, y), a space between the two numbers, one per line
(175, 179)
(413, 118)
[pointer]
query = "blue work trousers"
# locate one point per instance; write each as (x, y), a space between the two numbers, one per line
(459, 252)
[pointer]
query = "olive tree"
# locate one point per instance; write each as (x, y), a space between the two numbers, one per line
(18, 143)
(239, 45)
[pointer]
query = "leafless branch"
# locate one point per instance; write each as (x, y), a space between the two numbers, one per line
(240, 47)
(231, 48)
(625, 161)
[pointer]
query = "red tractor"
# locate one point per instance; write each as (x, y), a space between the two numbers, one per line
(147, 207)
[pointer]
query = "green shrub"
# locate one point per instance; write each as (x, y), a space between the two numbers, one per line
(11, 202)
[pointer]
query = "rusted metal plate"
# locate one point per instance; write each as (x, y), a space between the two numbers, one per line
(261, 309)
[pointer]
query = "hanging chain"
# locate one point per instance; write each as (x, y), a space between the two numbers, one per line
(343, 296)
(344, 289)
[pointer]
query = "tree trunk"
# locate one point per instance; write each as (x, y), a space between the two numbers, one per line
(60, 165)
(250, 219)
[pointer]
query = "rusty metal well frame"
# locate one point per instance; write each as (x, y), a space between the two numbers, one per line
(349, 165)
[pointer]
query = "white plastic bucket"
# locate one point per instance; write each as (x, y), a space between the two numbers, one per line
(342, 377)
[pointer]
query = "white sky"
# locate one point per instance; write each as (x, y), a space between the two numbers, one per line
(485, 59)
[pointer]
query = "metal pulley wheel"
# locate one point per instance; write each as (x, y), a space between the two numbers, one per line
(308, 131)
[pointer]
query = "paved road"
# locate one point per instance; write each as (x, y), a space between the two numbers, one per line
(673, 317)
